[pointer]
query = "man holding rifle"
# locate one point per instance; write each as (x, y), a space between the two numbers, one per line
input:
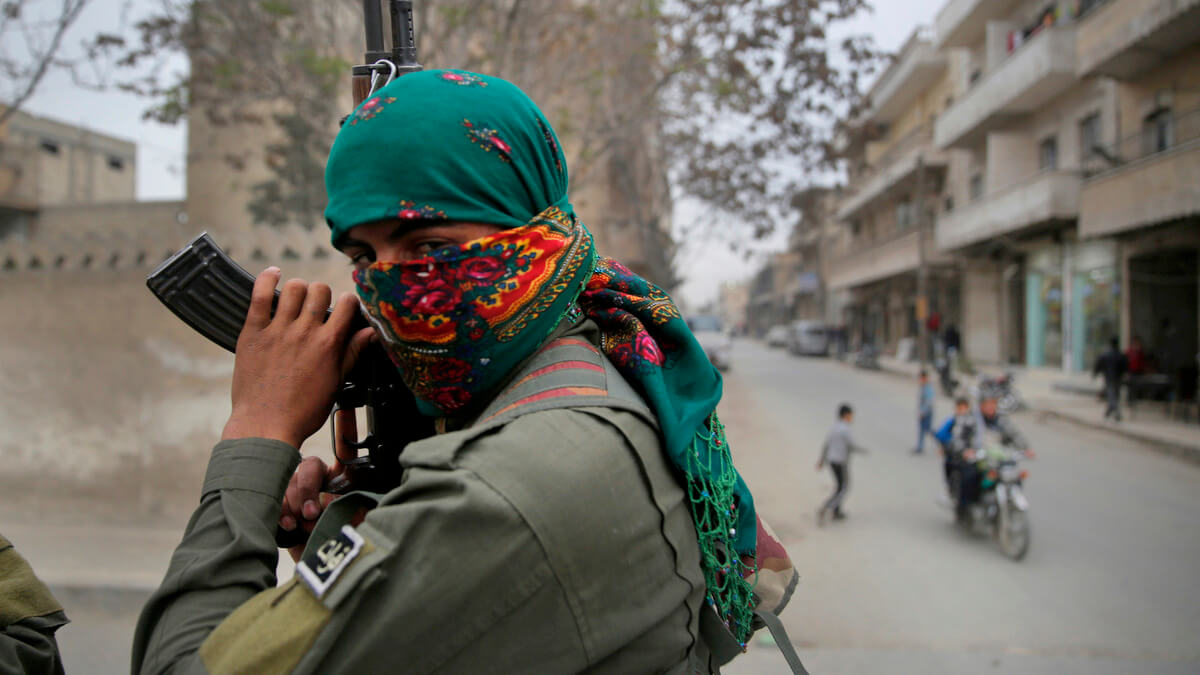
(578, 510)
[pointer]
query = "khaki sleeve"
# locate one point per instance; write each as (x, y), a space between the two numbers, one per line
(29, 616)
(227, 555)
(443, 576)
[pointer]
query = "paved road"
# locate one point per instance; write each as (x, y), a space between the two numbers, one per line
(1109, 585)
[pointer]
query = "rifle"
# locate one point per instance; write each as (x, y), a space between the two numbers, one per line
(210, 292)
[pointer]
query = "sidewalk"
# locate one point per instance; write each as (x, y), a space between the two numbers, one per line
(1073, 397)
(118, 560)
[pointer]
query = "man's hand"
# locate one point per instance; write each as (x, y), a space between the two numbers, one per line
(288, 368)
(820, 464)
(1029, 454)
(304, 501)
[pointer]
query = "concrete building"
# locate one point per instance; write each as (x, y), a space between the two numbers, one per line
(896, 181)
(1024, 122)
(1142, 193)
(1070, 180)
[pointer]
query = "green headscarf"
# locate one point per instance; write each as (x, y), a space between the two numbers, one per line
(461, 147)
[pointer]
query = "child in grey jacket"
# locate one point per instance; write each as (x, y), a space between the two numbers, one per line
(836, 451)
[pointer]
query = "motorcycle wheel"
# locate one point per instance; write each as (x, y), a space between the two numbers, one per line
(1012, 531)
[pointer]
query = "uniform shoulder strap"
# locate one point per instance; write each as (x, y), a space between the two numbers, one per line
(567, 373)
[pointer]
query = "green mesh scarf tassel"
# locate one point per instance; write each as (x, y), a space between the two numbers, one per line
(714, 512)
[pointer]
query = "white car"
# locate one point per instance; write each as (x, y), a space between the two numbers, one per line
(810, 338)
(716, 340)
(777, 336)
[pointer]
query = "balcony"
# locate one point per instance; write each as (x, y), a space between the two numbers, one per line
(1037, 72)
(894, 171)
(916, 69)
(1151, 185)
(1046, 196)
(1123, 38)
(888, 258)
(962, 23)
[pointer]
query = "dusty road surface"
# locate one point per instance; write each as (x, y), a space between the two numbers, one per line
(1110, 584)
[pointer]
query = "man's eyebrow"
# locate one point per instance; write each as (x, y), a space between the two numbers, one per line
(345, 242)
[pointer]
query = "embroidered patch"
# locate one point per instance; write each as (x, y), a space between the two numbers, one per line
(488, 139)
(464, 79)
(407, 210)
(370, 108)
(323, 566)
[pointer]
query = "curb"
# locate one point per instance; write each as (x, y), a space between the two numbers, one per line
(1187, 453)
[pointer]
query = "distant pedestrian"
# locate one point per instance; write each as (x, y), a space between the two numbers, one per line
(836, 451)
(1137, 356)
(924, 411)
(953, 342)
(1113, 365)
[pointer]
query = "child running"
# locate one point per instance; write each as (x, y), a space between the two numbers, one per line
(836, 451)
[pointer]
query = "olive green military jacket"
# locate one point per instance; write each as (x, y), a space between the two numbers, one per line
(557, 541)
(29, 616)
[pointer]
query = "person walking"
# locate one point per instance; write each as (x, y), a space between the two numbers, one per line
(836, 452)
(1113, 365)
(924, 411)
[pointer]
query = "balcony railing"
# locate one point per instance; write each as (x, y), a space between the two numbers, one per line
(893, 166)
(1148, 177)
(1043, 197)
(961, 23)
(1033, 74)
(1122, 38)
(879, 259)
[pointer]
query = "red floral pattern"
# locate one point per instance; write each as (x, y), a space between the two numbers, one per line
(488, 139)
(370, 108)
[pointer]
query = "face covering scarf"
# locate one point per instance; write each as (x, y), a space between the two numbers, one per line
(445, 145)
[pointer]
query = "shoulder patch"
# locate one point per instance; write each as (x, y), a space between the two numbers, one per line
(320, 568)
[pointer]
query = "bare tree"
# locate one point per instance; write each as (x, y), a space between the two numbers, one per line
(30, 46)
(736, 97)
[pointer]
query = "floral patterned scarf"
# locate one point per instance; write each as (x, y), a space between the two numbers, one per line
(447, 145)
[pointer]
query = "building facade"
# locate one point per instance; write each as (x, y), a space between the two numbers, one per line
(893, 275)
(1027, 170)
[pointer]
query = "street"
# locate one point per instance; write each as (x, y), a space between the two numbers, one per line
(1108, 586)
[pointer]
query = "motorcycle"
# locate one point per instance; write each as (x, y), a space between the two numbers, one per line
(1003, 388)
(1002, 509)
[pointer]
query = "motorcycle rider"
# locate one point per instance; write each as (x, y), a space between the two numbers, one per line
(968, 436)
(954, 437)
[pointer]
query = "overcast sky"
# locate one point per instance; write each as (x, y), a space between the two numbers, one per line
(703, 265)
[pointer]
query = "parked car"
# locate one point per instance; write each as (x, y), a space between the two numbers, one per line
(777, 336)
(716, 340)
(809, 338)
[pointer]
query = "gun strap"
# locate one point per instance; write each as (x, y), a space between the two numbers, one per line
(339, 512)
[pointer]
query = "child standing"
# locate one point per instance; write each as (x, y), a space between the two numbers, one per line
(924, 412)
(836, 451)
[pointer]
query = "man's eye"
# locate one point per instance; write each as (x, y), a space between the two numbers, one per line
(361, 260)
(430, 245)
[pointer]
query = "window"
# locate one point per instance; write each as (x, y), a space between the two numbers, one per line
(906, 215)
(1158, 131)
(49, 146)
(116, 163)
(1048, 154)
(948, 205)
(1089, 137)
(976, 186)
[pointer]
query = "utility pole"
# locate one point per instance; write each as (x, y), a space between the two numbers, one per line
(922, 267)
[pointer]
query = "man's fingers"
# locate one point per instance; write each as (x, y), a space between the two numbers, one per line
(316, 303)
(310, 476)
(291, 299)
(261, 298)
(343, 315)
(354, 348)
